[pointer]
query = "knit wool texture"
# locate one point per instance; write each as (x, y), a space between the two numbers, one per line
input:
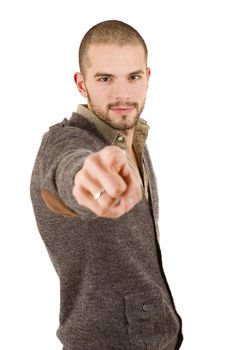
(113, 290)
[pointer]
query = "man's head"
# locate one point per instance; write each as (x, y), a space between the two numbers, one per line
(113, 73)
(111, 32)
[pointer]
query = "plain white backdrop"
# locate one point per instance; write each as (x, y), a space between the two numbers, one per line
(190, 110)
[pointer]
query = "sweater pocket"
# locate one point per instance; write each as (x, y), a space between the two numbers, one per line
(151, 320)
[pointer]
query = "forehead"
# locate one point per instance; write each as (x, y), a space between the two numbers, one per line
(110, 58)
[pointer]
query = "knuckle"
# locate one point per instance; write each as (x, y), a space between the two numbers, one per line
(117, 192)
(88, 162)
(108, 202)
(111, 152)
(117, 189)
(76, 178)
(106, 211)
(102, 212)
(75, 190)
(78, 194)
(108, 152)
(79, 178)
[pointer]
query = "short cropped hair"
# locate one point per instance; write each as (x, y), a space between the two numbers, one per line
(112, 32)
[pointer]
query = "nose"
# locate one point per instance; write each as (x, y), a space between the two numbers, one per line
(121, 90)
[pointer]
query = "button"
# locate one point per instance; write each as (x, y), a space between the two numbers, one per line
(146, 307)
(120, 138)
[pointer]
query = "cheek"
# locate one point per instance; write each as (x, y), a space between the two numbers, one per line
(139, 92)
(104, 95)
(101, 92)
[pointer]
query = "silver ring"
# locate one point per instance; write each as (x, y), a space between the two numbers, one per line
(98, 194)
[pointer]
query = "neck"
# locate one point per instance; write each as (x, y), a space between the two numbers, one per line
(128, 134)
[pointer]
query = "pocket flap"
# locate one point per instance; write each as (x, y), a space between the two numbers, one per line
(145, 305)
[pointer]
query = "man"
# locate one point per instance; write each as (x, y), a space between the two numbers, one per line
(95, 200)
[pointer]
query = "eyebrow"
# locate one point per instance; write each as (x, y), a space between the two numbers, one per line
(102, 74)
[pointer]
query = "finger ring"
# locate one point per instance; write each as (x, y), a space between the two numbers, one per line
(98, 194)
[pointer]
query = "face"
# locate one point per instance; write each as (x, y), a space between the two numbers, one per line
(115, 84)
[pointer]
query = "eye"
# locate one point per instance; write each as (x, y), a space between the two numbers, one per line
(104, 79)
(134, 77)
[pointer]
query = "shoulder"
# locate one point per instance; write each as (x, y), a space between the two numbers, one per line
(71, 134)
(76, 125)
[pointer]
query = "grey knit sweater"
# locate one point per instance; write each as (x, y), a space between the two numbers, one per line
(113, 291)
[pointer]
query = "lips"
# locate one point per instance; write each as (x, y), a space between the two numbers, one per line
(122, 110)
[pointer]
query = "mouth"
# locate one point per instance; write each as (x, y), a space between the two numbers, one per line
(122, 109)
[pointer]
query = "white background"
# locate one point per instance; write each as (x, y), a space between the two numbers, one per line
(189, 108)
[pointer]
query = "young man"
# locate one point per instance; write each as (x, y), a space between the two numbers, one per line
(95, 201)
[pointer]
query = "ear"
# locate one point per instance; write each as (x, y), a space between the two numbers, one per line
(148, 72)
(79, 81)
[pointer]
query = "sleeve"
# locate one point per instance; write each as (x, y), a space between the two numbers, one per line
(61, 158)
